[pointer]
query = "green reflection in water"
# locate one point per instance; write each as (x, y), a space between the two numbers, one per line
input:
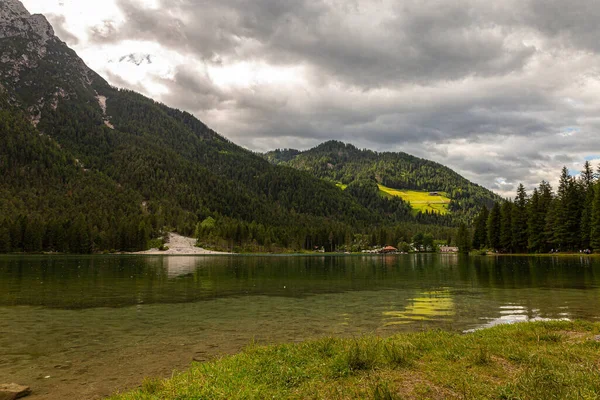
(428, 306)
(102, 323)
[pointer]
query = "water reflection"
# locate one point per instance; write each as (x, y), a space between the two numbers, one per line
(117, 316)
(428, 306)
(513, 313)
(425, 287)
(180, 265)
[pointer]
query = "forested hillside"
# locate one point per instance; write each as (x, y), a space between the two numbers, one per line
(339, 162)
(49, 201)
(545, 221)
(87, 167)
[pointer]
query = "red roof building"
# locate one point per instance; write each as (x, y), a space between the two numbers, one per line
(389, 249)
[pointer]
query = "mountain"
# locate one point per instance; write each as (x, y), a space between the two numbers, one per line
(136, 58)
(88, 167)
(344, 163)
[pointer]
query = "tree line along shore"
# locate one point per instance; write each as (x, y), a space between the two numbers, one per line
(567, 220)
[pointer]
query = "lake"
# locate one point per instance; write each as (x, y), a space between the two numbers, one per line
(84, 327)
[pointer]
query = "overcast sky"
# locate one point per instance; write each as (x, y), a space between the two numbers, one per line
(503, 91)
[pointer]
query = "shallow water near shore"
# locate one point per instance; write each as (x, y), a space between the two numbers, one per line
(85, 327)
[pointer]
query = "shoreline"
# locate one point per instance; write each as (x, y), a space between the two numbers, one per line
(593, 255)
(180, 245)
(198, 251)
(535, 360)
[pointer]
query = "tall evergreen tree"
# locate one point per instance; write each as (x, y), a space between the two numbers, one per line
(561, 211)
(587, 183)
(493, 227)
(575, 206)
(519, 221)
(463, 239)
(535, 223)
(568, 213)
(595, 230)
(550, 225)
(4, 237)
(480, 234)
(506, 237)
(546, 198)
(587, 175)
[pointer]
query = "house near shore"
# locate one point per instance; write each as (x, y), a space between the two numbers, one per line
(448, 249)
(388, 249)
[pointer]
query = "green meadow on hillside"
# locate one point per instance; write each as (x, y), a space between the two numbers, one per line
(419, 200)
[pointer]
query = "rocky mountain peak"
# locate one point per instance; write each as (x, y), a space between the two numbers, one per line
(11, 10)
(15, 20)
(37, 70)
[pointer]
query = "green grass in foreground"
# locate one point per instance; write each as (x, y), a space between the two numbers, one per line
(543, 360)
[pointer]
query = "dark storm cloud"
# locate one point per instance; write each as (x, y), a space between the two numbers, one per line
(497, 90)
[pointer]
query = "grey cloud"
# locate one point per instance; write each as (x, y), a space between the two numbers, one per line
(419, 42)
(432, 78)
(573, 23)
(191, 91)
(59, 24)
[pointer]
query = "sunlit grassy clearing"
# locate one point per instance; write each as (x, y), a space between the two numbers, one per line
(540, 360)
(420, 201)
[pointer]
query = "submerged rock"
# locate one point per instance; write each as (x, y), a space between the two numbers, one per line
(12, 391)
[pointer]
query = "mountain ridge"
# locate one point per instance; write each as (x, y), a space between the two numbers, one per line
(344, 163)
(166, 170)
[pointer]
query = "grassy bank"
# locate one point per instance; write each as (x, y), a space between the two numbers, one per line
(543, 360)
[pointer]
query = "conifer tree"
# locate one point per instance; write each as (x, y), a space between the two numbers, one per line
(561, 211)
(595, 230)
(550, 225)
(535, 223)
(587, 175)
(546, 198)
(506, 237)
(586, 217)
(4, 238)
(568, 213)
(575, 208)
(587, 183)
(480, 234)
(493, 227)
(463, 239)
(519, 221)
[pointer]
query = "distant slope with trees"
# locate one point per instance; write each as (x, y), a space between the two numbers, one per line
(344, 163)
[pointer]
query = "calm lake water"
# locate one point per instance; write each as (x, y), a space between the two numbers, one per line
(85, 327)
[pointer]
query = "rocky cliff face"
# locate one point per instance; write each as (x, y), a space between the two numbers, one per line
(15, 20)
(38, 70)
(16, 23)
(12, 9)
